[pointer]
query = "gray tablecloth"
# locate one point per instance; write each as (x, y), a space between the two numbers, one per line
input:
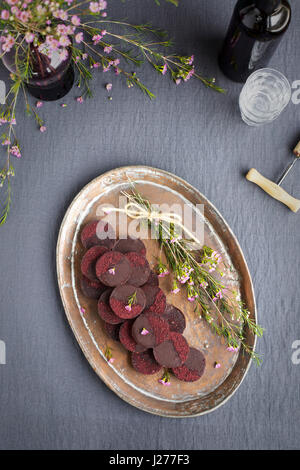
(49, 396)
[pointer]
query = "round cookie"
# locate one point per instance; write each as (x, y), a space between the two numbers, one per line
(125, 245)
(152, 279)
(104, 310)
(144, 362)
(155, 299)
(120, 300)
(89, 259)
(127, 340)
(91, 289)
(175, 318)
(98, 232)
(193, 368)
(156, 329)
(140, 269)
(113, 269)
(112, 331)
(173, 352)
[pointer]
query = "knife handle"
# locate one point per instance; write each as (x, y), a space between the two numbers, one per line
(273, 190)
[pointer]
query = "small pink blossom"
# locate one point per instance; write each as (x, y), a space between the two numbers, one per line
(107, 49)
(63, 55)
(112, 271)
(164, 69)
(191, 60)
(29, 37)
(108, 86)
(191, 299)
(164, 273)
(232, 349)
(111, 360)
(144, 332)
(6, 142)
(79, 99)
(4, 14)
(175, 291)
(94, 7)
(43, 128)
(217, 365)
(84, 56)
(163, 382)
(64, 41)
(75, 20)
(102, 4)
(82, 310)
(96, 65)
(96, 39)
(15, 151)
(39, 104)
(128, 308)
(79, 37)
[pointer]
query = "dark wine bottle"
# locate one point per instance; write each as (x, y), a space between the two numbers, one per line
(254, 33)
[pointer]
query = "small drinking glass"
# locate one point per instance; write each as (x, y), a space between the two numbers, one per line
(264, 96)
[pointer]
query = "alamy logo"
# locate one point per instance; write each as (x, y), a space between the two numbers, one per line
(2, 92)
(296, 353)
(2, 352)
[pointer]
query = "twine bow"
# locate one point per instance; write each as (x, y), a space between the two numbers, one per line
(136, 211)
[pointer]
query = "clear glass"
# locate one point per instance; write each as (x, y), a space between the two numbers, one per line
(264, 96)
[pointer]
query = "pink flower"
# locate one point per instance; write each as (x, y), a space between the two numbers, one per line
(115, 62)
(191, 299)
(102, 4)
(39, 104)
(191, 60)
(163, 274)
(79, 38)
(63, 54)
(175, 291)
(43, 128)
(94, 7)
(163, 382)
(111, 360)
(75, 20)
(144, 332)
(29, 37)
(217, 365)
(82, 310)
(96, 65)
(112, 271)
(107, 49)
(128, 308)
(96, 39)
(79, 99)
(4, 14)
(64, 41)
(108, 86)
(15, 151)
(177, 81)
(61, 28)
(164, 69)
(9, 42)
(84, 56)
(232, 349)
(6, 142)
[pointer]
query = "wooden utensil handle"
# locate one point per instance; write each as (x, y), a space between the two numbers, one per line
(273, 190)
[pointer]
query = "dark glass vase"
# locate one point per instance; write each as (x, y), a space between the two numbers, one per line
(51, 79)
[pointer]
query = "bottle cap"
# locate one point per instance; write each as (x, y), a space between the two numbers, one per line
(268, 6)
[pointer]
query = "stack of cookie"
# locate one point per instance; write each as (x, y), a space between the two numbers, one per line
(132, 305)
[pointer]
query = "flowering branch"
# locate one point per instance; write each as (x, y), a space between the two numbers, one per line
(35, 35)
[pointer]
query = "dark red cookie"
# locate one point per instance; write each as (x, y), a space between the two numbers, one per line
(127, 339)
(91, 289)
(175, 318)
(89, 259)
(98, 232)
(112, 331)
(150, 329)
(152, 279)
(144, 362)
(113, 269)
(127, 301)
(155, 299)
(104, 310)
(140, 269)
(125, 245)
(193, 368)
(173, 352)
